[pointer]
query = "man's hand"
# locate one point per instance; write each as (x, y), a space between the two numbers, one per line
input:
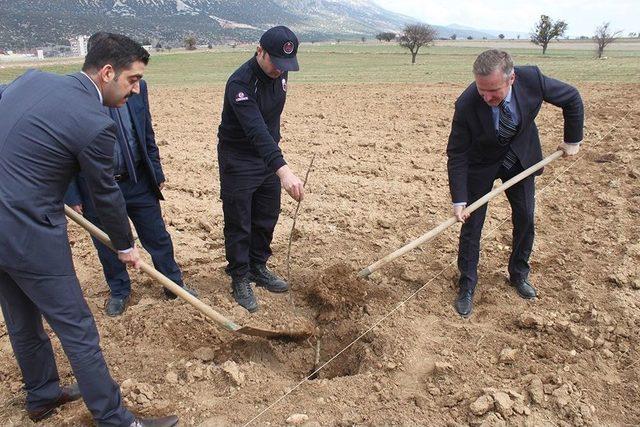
(459, 214)
(161, 185)
(130, 258)
(291, 183)
(569, 149)
(77, 208)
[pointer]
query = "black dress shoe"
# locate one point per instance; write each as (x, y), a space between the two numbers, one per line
(464, 302)
(169, 421)
(243, 293)
(171, 295)
(69, 394)
(264, 278)
(116, 306)
(525, 289)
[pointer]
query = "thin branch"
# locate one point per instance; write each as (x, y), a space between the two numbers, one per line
(293, 226)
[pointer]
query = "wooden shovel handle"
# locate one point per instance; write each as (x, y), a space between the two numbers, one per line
(155, 274)
(448, 223)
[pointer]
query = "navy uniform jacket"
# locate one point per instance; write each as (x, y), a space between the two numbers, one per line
(51, 127)
(253, 103)
(138, 106)
(473, 150)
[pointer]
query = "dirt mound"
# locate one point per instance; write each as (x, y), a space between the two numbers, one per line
(337, 292)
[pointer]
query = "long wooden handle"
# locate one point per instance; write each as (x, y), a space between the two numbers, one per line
(365, 272)
(155, 274)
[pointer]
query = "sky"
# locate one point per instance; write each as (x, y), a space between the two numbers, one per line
(582, 16)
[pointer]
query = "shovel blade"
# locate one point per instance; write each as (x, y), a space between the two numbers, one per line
(280, 335)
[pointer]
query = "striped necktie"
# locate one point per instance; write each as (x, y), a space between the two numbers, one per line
(506, 131)
(506, 126)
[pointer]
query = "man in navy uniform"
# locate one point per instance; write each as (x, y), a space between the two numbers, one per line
(494, 135)
(138, 172)
(52, 127)
(252, 167)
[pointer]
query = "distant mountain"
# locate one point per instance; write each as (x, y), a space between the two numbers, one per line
(490, 34)
(33, 23)
(463, 32)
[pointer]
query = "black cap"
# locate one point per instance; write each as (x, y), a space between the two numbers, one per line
(282, 46)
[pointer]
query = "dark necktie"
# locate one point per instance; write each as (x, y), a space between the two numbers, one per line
(506, 126)
(124, 144)
(507, 129)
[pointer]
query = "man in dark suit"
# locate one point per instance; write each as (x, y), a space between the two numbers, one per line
(494, 135)
(138, 172)
(51, 127)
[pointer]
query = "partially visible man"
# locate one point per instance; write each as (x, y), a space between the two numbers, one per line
(138, 173)
(51, 127)
(494, 135)
(252, 167)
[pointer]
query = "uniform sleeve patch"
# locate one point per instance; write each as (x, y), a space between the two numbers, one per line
(241, 96)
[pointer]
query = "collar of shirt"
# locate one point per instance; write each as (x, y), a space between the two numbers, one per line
(495, 111)
(94, 84)
(507, 99)
(258, 70)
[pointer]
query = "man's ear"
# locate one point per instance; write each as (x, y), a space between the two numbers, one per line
(107, 73)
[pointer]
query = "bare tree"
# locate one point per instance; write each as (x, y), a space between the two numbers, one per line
(546, 30)
(604, 36)
(415, 36)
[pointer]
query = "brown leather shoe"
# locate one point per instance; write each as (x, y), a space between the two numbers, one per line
(169, 421)
(69, 394)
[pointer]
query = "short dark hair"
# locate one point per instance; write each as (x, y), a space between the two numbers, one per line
(115, 49)
(95, 37)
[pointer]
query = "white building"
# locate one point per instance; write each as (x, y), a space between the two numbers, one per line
(79, 45)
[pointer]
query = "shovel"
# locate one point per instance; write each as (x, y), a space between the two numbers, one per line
(203, 308)
(365, 272)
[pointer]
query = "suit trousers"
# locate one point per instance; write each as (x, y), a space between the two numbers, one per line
(27, 297)
(143, 207)
(522, 200)
(250, 196)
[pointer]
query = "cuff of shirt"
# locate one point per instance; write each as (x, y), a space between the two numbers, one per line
(277, 163)
(125, 251)
(460, 204)
(573, 143)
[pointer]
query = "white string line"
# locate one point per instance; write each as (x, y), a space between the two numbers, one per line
(490, 233)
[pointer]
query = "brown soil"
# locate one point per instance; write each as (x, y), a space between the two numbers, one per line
(379, 180)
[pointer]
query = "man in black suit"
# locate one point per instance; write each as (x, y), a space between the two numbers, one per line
(52, 127)
(494, 135)
(138, 172)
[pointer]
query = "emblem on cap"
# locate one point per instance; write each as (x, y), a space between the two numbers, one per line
(288, 47)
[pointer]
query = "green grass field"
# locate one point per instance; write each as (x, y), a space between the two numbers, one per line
(384, 63)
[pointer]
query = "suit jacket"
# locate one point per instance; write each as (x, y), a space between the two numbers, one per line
(138, 106)
(51, 127)
(473, 150)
